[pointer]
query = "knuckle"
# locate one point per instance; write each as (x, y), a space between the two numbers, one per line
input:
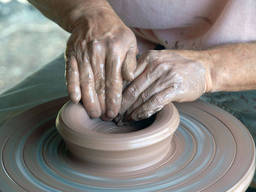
(71, 87)
(71, 77)
(74, 42)
(86, 79)
(70, 41)
(132, 91)
(100, 87)
(115, 48)
(144, 97)
(68, 63)
(111, 42)
(69, 70)
(156, 100)
(69, 52)
(159, 67)
(153, 70)
(151, 54)
(98, 76)
(115, 42)
(82, 44)
(151, 58)
(111, 102)
(127, 33)
(94, 43)
(86, 82)
(114, 84)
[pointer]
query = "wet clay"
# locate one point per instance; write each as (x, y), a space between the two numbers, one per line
(109, 147)
(210, 151)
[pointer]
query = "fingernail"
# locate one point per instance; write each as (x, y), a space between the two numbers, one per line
(111, 114)
(75, 98)
(94, 114)
(134, 117)
(131, 76)
(139, 116)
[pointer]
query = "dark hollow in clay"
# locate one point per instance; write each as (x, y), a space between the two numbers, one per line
(110, 148)
(135, 125)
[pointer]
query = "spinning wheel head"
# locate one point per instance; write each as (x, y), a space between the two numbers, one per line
(209, 151)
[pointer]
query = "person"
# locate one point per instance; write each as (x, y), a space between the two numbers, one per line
(209, 54)
(101, 51)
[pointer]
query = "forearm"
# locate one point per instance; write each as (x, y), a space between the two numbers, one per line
(232, 67)
(67, 12)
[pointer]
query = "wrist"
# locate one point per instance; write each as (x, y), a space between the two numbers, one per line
(207, 61)
(88, 10)
(204, 58)
(219, 76)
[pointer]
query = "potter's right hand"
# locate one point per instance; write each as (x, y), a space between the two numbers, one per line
(100, 54)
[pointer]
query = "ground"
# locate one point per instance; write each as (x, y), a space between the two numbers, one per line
(28, 41)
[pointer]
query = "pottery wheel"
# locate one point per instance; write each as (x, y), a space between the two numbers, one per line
(212, 151)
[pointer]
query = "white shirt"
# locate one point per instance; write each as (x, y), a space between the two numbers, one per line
(190, 24)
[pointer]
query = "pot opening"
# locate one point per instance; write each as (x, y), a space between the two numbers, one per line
(124, 127)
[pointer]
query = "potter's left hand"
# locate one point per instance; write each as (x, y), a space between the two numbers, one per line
(163, 77)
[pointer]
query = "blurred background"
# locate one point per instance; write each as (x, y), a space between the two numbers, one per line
(28, 41)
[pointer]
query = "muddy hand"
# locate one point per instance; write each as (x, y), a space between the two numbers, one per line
(100, 54)
(163, 77)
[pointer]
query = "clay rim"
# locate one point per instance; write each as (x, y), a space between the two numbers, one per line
(164, 126)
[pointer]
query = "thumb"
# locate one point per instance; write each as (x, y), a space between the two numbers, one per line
(129, 65)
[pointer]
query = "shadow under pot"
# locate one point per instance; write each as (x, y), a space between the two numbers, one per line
(107, 148)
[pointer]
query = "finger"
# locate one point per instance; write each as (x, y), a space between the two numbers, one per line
(97, 52)
(158, 86)
(149, 58)
(129, 65)
(142, 64)
(154, 104)
(72, 79)
(89, 96)
(141, 83)
(139, 69)
(114, 83)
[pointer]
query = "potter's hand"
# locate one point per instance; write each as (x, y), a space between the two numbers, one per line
(163, 77)
(100, 54)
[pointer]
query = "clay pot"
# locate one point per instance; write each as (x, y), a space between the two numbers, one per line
(108, 147)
